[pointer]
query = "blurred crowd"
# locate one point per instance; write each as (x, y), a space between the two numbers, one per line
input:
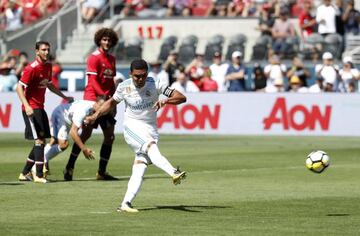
(12, 66)
(270, 78)
(15, 14)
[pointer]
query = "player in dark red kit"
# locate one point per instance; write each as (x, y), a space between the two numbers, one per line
(100, 72)
(31, 91)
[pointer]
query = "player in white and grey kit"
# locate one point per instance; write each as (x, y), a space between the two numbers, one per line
(141, 97)
(68, 119)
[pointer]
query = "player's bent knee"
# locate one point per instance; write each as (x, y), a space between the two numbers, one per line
(148, 145)
(140, 162)
(63, 145)
(40, 141)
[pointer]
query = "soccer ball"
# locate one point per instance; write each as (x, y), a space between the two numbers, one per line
(317, 161)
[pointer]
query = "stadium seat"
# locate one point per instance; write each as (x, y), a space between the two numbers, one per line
(119, 50)
(333, 43)
(237, 43)
(133, 50)
(214, 44)
(191, 40)
(167, 46)
(311, 45)
(186, 53)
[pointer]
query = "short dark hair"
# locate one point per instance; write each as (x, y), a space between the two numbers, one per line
(139, 64)
(39, 43)
(106, 32)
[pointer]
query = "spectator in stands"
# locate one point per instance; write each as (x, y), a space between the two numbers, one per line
(207, 83)
(266, 22)
(90, 8)
(351, 18)
(235, 74)
(282, 30)
(23, 62)
(179, 8)
(219, 8)
(171, 65)
(328, 71)
(244, 8)
(48, 7)
(195, 69)
(348, 75)
(183, 84)
(318, 87)
(157, 72)
(259, 78)
(13, 16)
(8, 79)
(326, 18)
(275, 70)
(339, 23)
(152, 8)
(276, 87)
(56, 71)
(307, 22)
(296, 85)
(218, 71)
(300, 71)
(31, 11)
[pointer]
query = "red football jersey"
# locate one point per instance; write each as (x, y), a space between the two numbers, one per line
(103, 67)
(35, 78)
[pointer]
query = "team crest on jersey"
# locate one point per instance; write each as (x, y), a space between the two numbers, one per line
(108, 72)
(43, 83)
(147, 93)
(127, 90)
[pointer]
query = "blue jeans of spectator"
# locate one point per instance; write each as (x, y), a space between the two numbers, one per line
(7, 82)
(280, 46)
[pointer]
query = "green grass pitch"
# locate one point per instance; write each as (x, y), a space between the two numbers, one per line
(236, 185)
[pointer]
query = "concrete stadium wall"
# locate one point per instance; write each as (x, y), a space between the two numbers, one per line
(155, 30)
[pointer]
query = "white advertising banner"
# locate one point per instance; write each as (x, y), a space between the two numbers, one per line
(232, 113)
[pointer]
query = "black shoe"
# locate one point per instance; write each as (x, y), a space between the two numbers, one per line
(105, 176)
(68, 174)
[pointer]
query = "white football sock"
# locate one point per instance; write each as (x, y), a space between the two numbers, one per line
(51, 151)
(159, 160)
(138, 171)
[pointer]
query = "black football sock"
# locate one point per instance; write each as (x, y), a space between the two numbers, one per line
(105, 153)
(29, 162)
(39, 159)
(73, 156)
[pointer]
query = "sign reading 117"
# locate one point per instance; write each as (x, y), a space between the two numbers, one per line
(150, 32)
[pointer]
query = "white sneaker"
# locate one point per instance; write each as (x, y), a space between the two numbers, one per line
(127, 207)
(40, 180)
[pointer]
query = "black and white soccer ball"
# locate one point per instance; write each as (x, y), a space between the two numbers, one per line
(317, 161)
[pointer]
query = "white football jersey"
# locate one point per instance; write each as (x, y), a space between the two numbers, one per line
(139, 102)
(75, 113)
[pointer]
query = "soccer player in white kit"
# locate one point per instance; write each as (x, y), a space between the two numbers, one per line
(67, 119)
(141, 97)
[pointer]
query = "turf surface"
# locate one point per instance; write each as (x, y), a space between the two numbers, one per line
(235, 186)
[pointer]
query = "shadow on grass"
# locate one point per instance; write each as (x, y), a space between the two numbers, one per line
(187, 208)
(338, 214)
(94, 179)
(10, 184)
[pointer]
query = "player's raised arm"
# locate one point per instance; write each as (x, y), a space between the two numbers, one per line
(174, 98)
(103, 110)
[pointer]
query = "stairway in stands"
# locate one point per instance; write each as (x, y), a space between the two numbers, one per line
(81, 43)
(353, 47)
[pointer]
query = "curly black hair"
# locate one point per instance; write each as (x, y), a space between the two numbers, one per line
(106, 32)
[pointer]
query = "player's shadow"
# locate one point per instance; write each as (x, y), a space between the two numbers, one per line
(338, 214)
(11, 184)
(187, 208)
(93, 179)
